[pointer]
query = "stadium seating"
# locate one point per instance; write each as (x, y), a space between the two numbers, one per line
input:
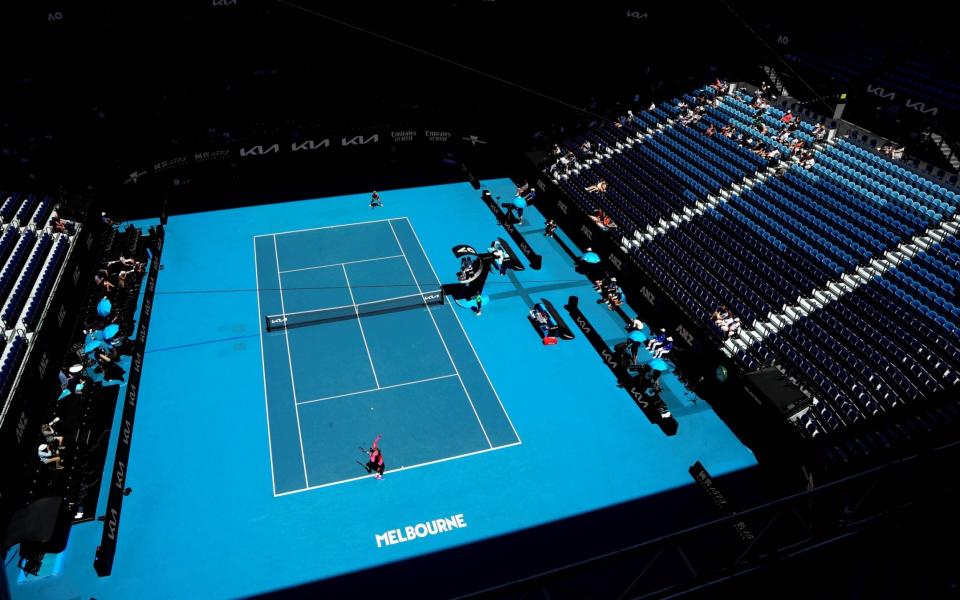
(782, 251)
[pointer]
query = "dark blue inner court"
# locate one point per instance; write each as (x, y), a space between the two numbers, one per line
(234, 419)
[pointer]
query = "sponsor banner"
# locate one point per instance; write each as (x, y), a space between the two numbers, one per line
(420, 530)
(103, 563)
(703, 479)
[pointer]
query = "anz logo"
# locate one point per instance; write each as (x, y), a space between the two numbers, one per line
(648, 295)
(615, 261)
(562, 207)
(586, 231)
(686, 335)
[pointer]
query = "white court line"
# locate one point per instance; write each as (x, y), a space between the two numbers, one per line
(263, 363)
(293, 384)
(356, 311)
(349, 262)
(416, 466)
(320, 310)
(386, 387)
(457, 317)
(442, 341)
(324, 227)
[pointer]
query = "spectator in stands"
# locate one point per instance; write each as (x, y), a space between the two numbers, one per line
(773, 157)
(897, 153)
(721, 313)
(598, 216)
(100, 279)
(711, 130)
(56, 224)
(727, 130)
(819, 131)
(586, 147)
(765, 90)
(115, 266)
(49, 433)
(787, 117)
(50, 455)
(598, 187)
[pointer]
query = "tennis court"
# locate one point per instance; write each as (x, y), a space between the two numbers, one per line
(356, 342)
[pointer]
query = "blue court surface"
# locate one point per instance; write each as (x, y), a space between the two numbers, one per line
(246, 464)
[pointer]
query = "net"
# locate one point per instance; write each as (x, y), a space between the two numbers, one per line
(351, 311)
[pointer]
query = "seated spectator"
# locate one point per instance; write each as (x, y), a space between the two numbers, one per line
(49, 434)
(49, 455)
(721, 313)
(100, 279)
(661, 350)
(598, 187)
(819, 131)
(586, 147)
(599, 215)
(607, 223)
(897, 153)
(657, 340)
(56, 224)
(711, 130)
(787, 117)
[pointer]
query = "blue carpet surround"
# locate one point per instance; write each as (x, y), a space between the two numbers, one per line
(244, 465)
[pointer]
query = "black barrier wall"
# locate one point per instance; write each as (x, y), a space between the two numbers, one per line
(698, 359)
(38, 382)
(533, 258)
(103, 563)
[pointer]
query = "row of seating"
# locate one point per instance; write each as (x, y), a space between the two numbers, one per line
(41, 291)
(766, 246)
(12, 357)
(14, 303)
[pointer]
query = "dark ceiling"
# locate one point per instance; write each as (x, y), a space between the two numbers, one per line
(91, 91)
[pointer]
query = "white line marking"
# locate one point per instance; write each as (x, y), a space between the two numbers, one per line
(417, 466)
(457, 317)
(349, 262)
(293, 384)
(442, 341)
(356, 311)
(324, 227)
(263, 363)
(385, 387)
